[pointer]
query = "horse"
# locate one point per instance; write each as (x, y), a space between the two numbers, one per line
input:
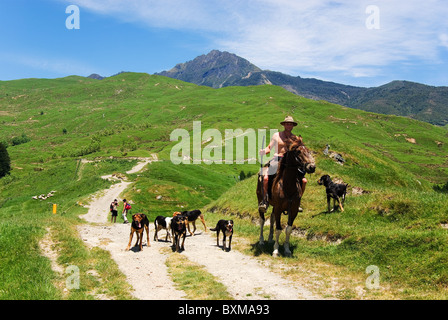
(286, 191)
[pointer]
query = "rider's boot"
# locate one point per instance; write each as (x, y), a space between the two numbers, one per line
(263, 205)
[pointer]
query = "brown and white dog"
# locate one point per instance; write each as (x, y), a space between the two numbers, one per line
(226, 226)
(161, 223)
(139, 223)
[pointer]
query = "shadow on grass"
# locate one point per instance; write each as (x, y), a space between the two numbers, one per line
(268, 248)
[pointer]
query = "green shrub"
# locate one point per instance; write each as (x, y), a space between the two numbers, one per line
(5, 161)
(20, 140)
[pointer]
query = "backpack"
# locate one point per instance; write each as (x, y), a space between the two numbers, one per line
(111, 206)
(128, 206)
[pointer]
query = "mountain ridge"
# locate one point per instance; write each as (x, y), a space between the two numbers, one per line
(404, 98)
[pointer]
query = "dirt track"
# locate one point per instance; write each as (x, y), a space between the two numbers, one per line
(245, 277)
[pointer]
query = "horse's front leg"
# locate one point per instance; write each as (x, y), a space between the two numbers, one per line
(262, 220)
(271, 227)
(291, 217)
(288, 231)
(260, 211)
(278, 230)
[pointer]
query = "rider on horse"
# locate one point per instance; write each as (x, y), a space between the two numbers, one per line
(280, 141)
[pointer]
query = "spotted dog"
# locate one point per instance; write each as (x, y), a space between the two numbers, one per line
(161, 223)
(226, 226)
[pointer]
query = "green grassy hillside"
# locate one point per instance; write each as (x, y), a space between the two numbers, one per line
(50, 124)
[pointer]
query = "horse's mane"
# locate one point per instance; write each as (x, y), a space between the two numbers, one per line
(297, 142)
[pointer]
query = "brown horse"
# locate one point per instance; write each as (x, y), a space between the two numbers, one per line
(286, 191)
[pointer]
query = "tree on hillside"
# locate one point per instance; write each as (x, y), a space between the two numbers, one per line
(5, 161)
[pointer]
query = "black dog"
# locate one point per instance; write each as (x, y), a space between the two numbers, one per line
(160, 223)
(179, 230)
(192, 217)
(226, 226)
(336, 191)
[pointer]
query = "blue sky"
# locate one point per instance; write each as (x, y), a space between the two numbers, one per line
(345, 41)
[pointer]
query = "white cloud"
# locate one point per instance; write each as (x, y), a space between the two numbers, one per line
(301, 36)
(173, 14)
(444, 40)
(57, 66)
(325, 37)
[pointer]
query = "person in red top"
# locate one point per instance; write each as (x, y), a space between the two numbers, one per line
(126, 208)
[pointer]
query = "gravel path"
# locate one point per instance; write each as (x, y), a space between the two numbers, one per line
(245, 277)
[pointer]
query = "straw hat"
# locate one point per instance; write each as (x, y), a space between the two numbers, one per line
(288, 119)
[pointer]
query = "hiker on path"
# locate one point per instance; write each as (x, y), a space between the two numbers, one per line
(126, 208)
(114, 211)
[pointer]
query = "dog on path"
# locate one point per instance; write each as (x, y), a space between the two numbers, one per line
(179, 230)
(226, 226)
(161, 223)
(139, 223)
(335, 191)
(192, 216)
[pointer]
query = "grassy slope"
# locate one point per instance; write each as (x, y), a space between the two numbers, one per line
(396, 227)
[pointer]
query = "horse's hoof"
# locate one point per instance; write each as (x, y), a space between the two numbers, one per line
(275, 254)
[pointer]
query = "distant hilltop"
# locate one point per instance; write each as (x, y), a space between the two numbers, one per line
(95, 76)
(98, 77)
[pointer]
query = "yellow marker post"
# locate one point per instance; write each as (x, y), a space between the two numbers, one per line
(54, 208)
